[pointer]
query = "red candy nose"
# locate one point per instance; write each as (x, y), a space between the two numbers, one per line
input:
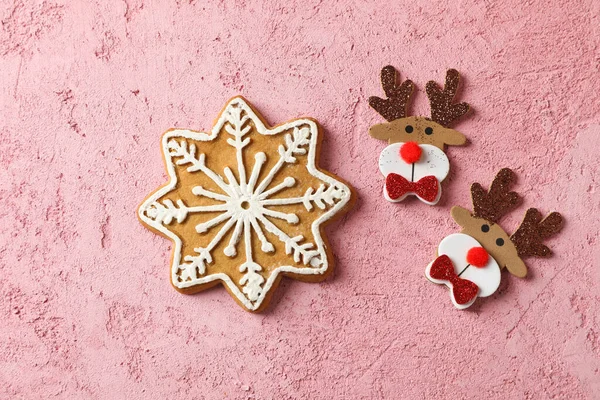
(477, 257)
(410, 152)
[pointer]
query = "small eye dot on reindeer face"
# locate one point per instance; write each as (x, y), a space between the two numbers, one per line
(408, 129)
(485, 228)
(499, 242)
(429, 130)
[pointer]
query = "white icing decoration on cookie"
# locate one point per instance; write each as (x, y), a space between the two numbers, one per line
(247, 205)
(433, 162)
(456, 246)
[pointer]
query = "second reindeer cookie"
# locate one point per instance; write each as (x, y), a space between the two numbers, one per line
(469, 263)
(415, 163)
(245, 205)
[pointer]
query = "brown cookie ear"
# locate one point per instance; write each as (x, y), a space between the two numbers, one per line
(516, 267)
(381, 131)
(396, 105)
(453, 137)
(461, 216)
(442, 110)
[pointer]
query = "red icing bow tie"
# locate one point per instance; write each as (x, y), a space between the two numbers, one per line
(397, 186)
(463, 290)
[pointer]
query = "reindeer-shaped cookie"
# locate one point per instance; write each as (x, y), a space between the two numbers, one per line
(415, 162)
(469, 262)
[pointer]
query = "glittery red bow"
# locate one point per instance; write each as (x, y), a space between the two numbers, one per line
(463, 290)
(397, 186)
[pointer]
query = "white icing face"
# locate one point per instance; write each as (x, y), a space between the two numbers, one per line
(487, 278)
(433, 162)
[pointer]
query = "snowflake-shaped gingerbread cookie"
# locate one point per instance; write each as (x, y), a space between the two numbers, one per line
(245, 204)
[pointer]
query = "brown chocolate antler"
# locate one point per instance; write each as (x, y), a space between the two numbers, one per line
(395, 106)
(532, 232)
(496, 202)
(442, 110)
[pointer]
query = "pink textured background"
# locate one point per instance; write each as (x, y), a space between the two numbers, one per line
(86, 307)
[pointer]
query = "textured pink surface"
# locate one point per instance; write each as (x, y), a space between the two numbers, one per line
(86, 307)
